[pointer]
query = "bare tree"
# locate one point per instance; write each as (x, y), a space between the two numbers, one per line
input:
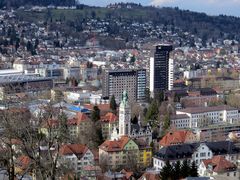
(41, 146)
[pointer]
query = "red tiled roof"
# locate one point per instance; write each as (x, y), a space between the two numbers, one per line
(51, 123)
(219, 164)
(23, 161)
(175, 137)
(102, 107)
(109, 117)
(80, 117)
(149, 176)
(128, 174)
(115, 145)
(78, 149)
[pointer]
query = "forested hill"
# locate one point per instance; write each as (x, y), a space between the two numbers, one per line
(18, 3)
(200, 24)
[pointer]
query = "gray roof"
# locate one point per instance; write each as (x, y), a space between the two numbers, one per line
(137, 128)
(179, 116)
(20, 78)
(186, 150)
(195, 110)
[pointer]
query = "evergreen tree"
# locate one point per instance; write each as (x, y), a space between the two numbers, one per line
(152, 113)
(67, 80)
(159, 96)
(99, 139)
(63, 129)
(134, 120)
(95, 115)
(113, 104)
(177, 170)
(167, 172)
(36, 43)
(133, 59)
(166, 122)
(194, 170)
(185, 169)
(147, 95)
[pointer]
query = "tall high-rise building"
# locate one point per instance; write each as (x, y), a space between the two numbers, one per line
(133, 81)
(161, 69)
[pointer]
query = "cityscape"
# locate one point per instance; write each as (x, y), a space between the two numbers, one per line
(118, 91)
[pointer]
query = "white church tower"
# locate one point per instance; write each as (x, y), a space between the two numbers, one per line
(124, 116)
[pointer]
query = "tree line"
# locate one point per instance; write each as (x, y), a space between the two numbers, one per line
(18, 3)
(179, 170)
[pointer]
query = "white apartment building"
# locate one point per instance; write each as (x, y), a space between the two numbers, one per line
(195, 152)
(76, 156)
(202, 116)
(218, 167)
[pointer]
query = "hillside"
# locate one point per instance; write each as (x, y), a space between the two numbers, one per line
(199, 24)
(18, 3)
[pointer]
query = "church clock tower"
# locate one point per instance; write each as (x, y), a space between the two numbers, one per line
(124, 116)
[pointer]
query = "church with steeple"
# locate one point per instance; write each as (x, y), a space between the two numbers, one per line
(126, 128)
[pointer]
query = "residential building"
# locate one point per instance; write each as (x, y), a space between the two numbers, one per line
(109, 175)
(70, 72)
(195, 152)
(223, 83)
(23, 164)
(150, 175)
(118, 153)
(79, 125)
(161, 69)
(91, 172)
(125, 152)
(218, 167)
(180, 121)
(133, 81)
(88, 73)
(108, 122)
(56, 73)
(216, 132)
(203, 116)
(145, 153)
(76, 156)
(178, 137)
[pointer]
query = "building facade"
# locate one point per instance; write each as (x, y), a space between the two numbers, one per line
(76, 156)
(218, 167)
(196, 152)
(203, 116)
(133, 81)
(161, 70)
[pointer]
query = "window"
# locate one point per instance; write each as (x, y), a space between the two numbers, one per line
(202, 154)
(197, 155)
(208, 153)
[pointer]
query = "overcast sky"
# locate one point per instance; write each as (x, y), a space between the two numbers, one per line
(212, 7)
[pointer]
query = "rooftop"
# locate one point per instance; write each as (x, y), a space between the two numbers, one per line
(195, 110)
(219, 164)
(20, 78)
(186, 150)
